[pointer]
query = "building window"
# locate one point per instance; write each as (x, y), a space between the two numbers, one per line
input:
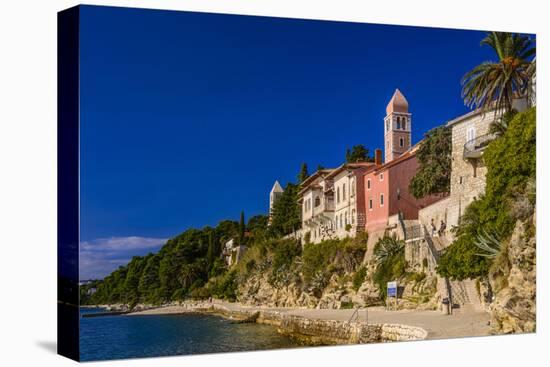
(368, 184)
(381, 177)
(353, 216)
(340, 220)
(370, 204)
(470, 134)
(404, 123)
(381, 199)
(344, 192)
(317, 201)
(398, 123)
(338, 195)
(401, 142)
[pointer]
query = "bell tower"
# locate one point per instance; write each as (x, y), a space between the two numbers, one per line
(397, 127)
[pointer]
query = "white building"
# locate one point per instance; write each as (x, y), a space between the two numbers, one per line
(349, 198)
(317, 201)
(232, 252)
(332, 202)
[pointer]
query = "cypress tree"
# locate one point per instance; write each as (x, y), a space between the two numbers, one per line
(304, 174)
(241, 229)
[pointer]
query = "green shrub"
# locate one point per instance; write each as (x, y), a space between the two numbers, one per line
(359, 278)
(391, 265)
(346, 305)
(331, 256)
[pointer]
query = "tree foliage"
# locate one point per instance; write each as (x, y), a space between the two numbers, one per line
(434, 164)
(185, 263)
(497, 83)
(511, 165)
(358, 153)
(390, 262)
(286, 215)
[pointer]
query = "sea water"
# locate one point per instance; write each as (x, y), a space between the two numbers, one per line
(123, 336)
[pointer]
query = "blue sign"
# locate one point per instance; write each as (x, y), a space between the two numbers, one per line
(392, 289)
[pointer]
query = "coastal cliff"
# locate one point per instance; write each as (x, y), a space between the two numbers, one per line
(514, 307)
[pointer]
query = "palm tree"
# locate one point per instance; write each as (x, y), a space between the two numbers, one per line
(495, 84)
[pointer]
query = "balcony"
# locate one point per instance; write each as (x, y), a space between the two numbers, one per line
(473, 149)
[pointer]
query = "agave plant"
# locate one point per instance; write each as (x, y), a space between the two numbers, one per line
(495, 84)
(386, 248)
(489, 242)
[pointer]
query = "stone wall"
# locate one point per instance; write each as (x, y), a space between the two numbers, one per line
(318, 331)
(467, 176)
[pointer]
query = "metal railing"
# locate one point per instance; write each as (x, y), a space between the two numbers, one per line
(355, 316)
(474, 148)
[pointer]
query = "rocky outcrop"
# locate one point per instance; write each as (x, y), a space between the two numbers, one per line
(514, 306)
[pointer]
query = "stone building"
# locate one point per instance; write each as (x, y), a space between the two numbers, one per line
(470, 136)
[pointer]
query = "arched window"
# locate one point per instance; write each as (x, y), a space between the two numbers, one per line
(338, 195)
(398, 123)
(404, 123)
(317, 201)
(401, 142)
(344, 192)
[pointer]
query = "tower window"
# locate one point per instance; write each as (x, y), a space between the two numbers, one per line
(399, 123)
(370, 204)
(401, 142)
(381, 199)
(404, 123)
(368, 184)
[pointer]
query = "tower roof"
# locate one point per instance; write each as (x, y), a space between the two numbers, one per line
(277, 187)
(398, 103)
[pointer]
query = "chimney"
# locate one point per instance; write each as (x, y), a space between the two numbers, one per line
(378, 157)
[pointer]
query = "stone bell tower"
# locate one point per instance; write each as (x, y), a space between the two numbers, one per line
(397, 127)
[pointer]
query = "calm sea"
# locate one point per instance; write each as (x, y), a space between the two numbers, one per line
(114, 337)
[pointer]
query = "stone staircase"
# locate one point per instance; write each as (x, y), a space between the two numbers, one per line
(465, 296)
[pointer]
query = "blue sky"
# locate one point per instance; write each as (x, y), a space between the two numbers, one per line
(189, 118)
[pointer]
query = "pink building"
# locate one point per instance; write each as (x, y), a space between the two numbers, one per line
(387, 186)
